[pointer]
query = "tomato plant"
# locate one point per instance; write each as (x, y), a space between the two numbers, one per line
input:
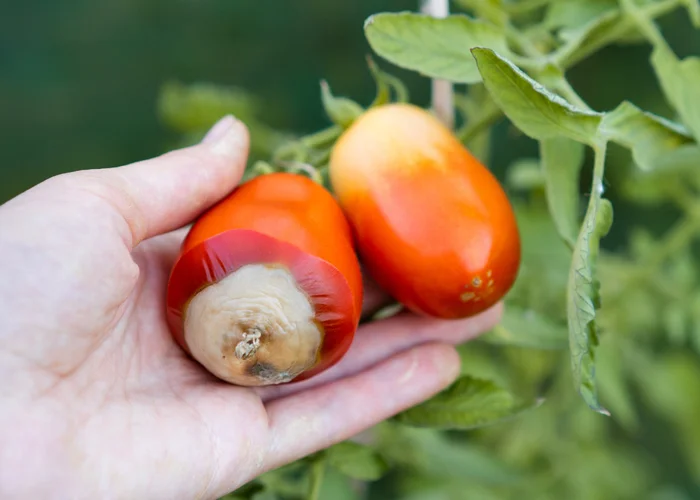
(603, 314)
(263, 292)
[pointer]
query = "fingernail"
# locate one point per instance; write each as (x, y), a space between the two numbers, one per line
(218, 130)
(231, 142)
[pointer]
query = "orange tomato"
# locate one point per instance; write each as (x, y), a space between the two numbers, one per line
(283, 220)
(433, 226)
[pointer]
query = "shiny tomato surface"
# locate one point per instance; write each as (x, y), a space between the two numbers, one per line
(280, 219)
(433, 225)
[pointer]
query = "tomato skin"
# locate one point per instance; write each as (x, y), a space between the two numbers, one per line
(433, 226)
(278, 219)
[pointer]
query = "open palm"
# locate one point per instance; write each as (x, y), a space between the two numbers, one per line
(97, 401)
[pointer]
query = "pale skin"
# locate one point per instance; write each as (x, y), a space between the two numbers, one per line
(96, 399)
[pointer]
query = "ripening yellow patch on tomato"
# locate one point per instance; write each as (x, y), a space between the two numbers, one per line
(433, 225)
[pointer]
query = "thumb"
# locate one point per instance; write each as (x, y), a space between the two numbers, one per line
(164, 193)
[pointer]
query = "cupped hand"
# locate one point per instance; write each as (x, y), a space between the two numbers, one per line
(96, 399)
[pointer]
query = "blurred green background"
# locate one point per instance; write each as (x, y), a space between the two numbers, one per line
(79, 79)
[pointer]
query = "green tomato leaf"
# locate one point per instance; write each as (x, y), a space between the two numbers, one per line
(338, 486)
(583, 296)
(527, 328)
(436, 48)
(562, 159)
(680, 82)
(583, 40)
(341, 110)
(357, 461)
(477, 362)
(576, 13)
(490, 10)
(291, 480)
(649, 137)
(432, 453)
(196, 107)
(539, 113)
(682, 160)
(467, 404)
(693, 7)
(672, 169)
(615, 385)
(265, 495)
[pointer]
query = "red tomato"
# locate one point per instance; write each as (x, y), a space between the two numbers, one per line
(433, 226)
(283, 236)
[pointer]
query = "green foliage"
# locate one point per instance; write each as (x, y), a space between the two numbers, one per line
(602, 316)
(341, 110)
(583, 295)
(357, 461)
(562, 159)
(530, 106)
(191, 110)
(468, 403)
(432, 46)
(679, 81)
(649, 137)
(528, 328)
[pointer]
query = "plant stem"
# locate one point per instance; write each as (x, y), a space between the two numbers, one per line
(600, 150)
(644, 23)
(565, 58)
(318, 471)
(321, 137)
(442, 91)
(523, 43)
(474, 128)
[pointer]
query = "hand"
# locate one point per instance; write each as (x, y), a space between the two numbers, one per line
(96, 399)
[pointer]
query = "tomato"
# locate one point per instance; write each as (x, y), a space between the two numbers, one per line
(267, 287)
(433, 226)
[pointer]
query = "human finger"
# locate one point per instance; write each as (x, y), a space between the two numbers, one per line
(379, 340)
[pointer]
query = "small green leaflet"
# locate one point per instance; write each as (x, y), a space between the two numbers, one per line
(680, 82)
(649, 137)
(533, 109)
(583, 292)
(436, 48)
(562, 159)
(357, 461)
(661, 184)
(198, 106)
(527, 328)
(467, 404)
(489, 10)
(385, 84)
(693, 7)
(341, 110)
(576, 13)
(583, 40)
